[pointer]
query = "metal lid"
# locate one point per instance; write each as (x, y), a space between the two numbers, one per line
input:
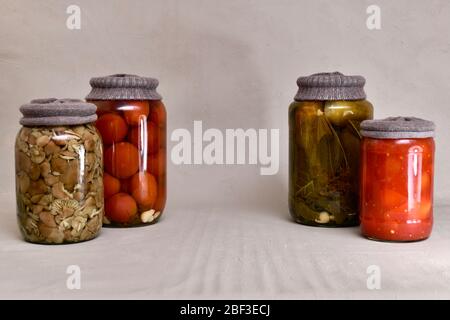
(55, 112)
(123, 87)
(330, 86)
(397, 128)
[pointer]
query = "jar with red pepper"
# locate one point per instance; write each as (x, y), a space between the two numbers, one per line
(397, 167)
(132, 123)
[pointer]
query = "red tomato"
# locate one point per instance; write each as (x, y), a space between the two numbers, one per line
(144, 189)
(376, 230)
(391, 208)
(111, 185)
(120, 208)
(393, 166)
(125, 185)
(392, 199)
(135, 112)
(104, 106)
(160, 202)
(156, 163)
(398, 214)
(426, 182)
(162, 137)
(157, 112)
(141, 141)
(122, 160)
(368, 193)
(396, 232)
(112, 128)
(425, 210)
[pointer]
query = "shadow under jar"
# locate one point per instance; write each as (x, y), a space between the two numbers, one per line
(59, 172)
(324, 149)
(132, 123)
(397, 169)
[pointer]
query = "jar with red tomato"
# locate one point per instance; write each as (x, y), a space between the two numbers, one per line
(397, 167)
(132, 124)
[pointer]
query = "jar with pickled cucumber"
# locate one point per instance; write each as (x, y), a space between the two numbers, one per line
(132, 124)
(324, 149)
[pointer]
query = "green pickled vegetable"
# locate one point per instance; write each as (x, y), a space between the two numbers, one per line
(324, 161)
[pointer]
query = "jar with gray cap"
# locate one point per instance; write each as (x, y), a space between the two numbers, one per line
(324, 144)
(59, 172)
(132, 123)
(397, 169)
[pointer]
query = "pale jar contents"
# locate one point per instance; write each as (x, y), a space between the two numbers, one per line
(59, 180)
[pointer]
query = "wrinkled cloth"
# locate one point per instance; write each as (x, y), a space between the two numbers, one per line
(226, 253)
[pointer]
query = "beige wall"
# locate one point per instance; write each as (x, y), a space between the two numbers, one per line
(231, 64)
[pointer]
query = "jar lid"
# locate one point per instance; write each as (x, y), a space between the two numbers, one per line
(123, 87)
(397, 128)
(330, 86)
(55, 112)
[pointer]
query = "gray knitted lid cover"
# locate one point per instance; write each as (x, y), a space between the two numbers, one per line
(123, 87)
(330, 86)
(397, 128)
(56, 112)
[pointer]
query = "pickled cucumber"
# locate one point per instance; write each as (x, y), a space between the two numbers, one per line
(339, 112)
(324, 160)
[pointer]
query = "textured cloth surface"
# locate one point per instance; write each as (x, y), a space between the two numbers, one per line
(398, 128)
(54, 112)
(123, 87)
(330, 86)
(225, 253)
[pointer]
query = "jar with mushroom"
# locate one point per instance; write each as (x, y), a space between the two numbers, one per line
(59, 179)
(132, 123)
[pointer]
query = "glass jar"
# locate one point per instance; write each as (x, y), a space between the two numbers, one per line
(397, 179)
(324, 143)
(59, 177)
(132, 123)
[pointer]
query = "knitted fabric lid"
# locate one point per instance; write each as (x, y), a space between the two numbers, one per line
(123, 87)
(56, 112)
(330, 86)
(397, 128)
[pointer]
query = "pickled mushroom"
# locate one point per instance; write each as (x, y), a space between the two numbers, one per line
(52, 183)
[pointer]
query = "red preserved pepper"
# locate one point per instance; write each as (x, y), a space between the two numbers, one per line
(397, 188)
